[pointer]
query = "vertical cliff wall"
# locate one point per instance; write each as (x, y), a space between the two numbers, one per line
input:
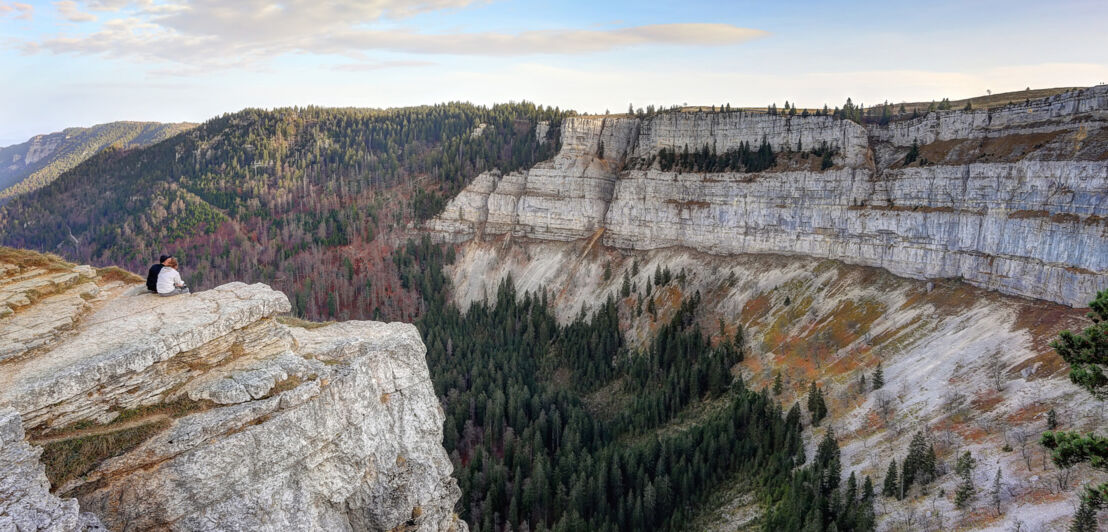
(1013, 199)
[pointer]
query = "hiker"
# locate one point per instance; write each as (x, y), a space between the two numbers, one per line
(169, 281)
(152, 275)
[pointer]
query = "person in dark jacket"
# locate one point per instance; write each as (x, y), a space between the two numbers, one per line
(152, 275)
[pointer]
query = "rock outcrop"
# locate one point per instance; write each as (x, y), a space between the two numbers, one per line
(25, 499)
(209, 411)
(1013, 199)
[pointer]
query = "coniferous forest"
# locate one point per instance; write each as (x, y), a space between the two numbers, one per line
(531, 454)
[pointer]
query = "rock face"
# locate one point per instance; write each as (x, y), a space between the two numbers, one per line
(210, 413)
(1013, 199)
(25, 499)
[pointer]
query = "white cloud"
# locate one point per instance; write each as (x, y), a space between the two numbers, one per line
(217, 33)
(380, 65)
(68, 10)
(17, 10)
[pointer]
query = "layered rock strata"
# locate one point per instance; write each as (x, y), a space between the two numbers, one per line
(212, 413)
(1013, 199)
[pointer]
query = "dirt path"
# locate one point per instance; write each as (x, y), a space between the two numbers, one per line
(102, 429)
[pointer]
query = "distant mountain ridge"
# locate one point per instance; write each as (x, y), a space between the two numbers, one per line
(37, 162)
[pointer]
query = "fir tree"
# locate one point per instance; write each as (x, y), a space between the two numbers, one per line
(878, 377)
(817, 407)
(777, 385)
(1085, 520)
(891, 488)
(966, 491)
(913, 153)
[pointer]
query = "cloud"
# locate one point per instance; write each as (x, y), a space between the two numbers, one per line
(366, 67)
(17, 10)
(68, 10)
(220, 34)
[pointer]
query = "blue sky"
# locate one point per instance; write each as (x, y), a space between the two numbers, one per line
(77, 62)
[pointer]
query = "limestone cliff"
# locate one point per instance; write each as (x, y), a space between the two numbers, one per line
(208, 411)
(1013, 199)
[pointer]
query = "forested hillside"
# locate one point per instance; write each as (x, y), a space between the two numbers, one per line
(534, 448)
(305, 199)
(39, 161)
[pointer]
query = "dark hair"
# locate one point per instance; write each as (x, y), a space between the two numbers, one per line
(162, 259)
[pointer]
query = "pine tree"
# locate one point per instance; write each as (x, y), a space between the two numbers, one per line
(1051, 420)
(913, 153)
(878, 377)
(625, 290)
(1087, 352)
(1087, 355)
(891, 487)
(966, 491)
(817, 407)
(1085, 520)
(777, 385)
(919, 465)
(851, 490)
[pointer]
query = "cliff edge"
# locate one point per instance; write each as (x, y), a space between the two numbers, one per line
(208, 411)
(1011, 199)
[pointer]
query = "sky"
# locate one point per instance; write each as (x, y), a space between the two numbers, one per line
(82, 62)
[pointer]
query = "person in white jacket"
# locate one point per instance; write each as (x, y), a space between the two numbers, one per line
(169, 281)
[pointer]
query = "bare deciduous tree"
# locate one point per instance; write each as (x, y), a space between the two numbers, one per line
(996, 369)
(883, 404)
(1023, 439)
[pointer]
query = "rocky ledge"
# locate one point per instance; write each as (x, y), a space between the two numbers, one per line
(208, 411)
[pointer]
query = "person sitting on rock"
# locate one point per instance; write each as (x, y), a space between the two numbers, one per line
(169, 281)
(152, 275)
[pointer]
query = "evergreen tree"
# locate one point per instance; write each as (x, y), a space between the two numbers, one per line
(966, 491)
(913, 153)
(625, 290)
(777, 385)
(1051, 420)
(817, 407)
(891, 488)
(1085, 520)
(878, 377)
(1087, 355)
(1087, 352)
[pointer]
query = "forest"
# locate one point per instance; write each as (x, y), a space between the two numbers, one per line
(308, 200)
(531, 453)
